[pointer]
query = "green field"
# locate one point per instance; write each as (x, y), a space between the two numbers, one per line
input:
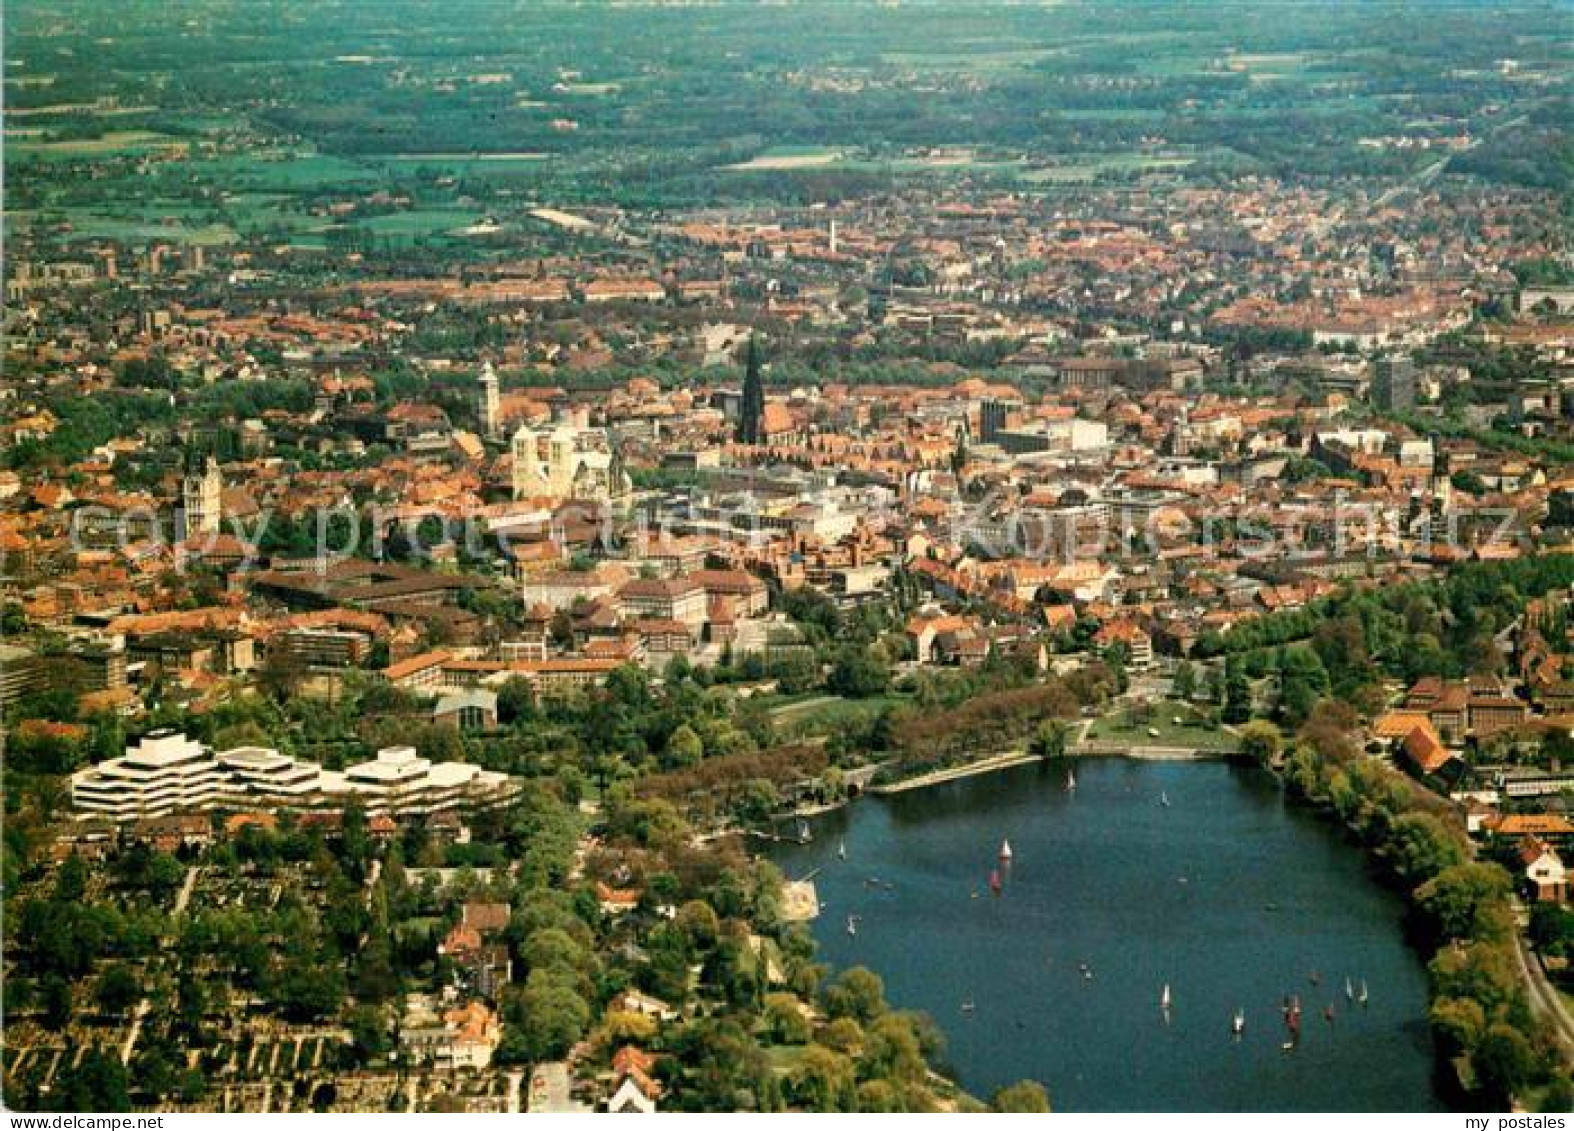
(1159, 728)
(115, 143)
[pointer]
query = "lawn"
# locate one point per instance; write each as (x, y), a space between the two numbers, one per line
(1160, 728)
(805, 716)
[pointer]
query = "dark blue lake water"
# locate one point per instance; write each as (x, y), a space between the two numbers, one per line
(1228, 894)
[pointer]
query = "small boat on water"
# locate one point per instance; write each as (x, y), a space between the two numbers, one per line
(1349, 990)
(1362, 996)
(1315, 978)
(1005, 852)
(1328, 1013)
(841, 850)
(1164, 799)
(1238, 1023)
(1071, 781)
(967, 1005)
(994, 883)
(804, 835)
(1164, 998)
(852, 924)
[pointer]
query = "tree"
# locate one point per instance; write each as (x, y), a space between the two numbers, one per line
(1023, 1096)
(751, 411)
(858, 993)
(785, 1020)
(118, 990)
(1260, 741)
(552, 1014)
(683, 748)
(516, 700)
(1420, 846)
(1452, 899)
(1552, 928)
(1505, 1062)
(95, 1083)
(823, 1080)
(1237, 694)
(1049, 741)
(857, 674)
(1185, 680)
(1458, 1021)
(1215, 684)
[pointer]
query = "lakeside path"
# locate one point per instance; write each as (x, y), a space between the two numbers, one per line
(953, 773)
(1021, 757)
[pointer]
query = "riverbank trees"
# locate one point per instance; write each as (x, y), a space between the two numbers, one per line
(1462, 915)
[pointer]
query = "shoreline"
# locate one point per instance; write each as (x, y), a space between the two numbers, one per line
(955, 773)
(1021, 757)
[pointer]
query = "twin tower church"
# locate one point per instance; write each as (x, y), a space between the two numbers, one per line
(567, 459)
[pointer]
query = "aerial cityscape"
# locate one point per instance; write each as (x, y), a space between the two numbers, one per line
(787, 557)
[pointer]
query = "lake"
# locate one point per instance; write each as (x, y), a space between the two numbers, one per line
(1227, 893)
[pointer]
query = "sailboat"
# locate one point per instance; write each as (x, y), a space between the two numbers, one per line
(1164, 998)
(1349, 990)
(994, 883)
(841, 851)
(1164, 799)
(1071, 781)
(1238, 1023)
(1005, 852)
(1361, 997)
(804, 835)
(967, 1005)
(852, 924)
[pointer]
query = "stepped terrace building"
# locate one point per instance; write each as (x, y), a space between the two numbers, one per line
(169, 773)
(399, 782)
(164, 773)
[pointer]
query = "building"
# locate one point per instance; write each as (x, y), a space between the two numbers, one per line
(169, 773)
(636, 1090)
(1138, 644)
(1490, 714)
(1394, 383)
(464, 1037)
(21, 673)
(263, 774)
(400, 782)
(1544, 871)
(327, 647)
(569, 461)
(472, 709)
(201, 499)
(490, 402)
(164, 773)
(679, 599)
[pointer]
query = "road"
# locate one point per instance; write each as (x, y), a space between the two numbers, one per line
(1544, 997)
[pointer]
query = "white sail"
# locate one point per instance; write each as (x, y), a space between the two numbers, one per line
(1005, 850)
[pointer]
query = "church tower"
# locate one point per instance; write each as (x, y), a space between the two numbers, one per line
(201, 497)
(528, 481)
(491, 403)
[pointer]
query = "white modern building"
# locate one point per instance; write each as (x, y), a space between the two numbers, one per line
(264, 774)
(164, 773)
(401, 782)
(169, 773)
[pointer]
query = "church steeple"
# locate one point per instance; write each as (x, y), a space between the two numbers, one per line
(751, 413)
(490, 406)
